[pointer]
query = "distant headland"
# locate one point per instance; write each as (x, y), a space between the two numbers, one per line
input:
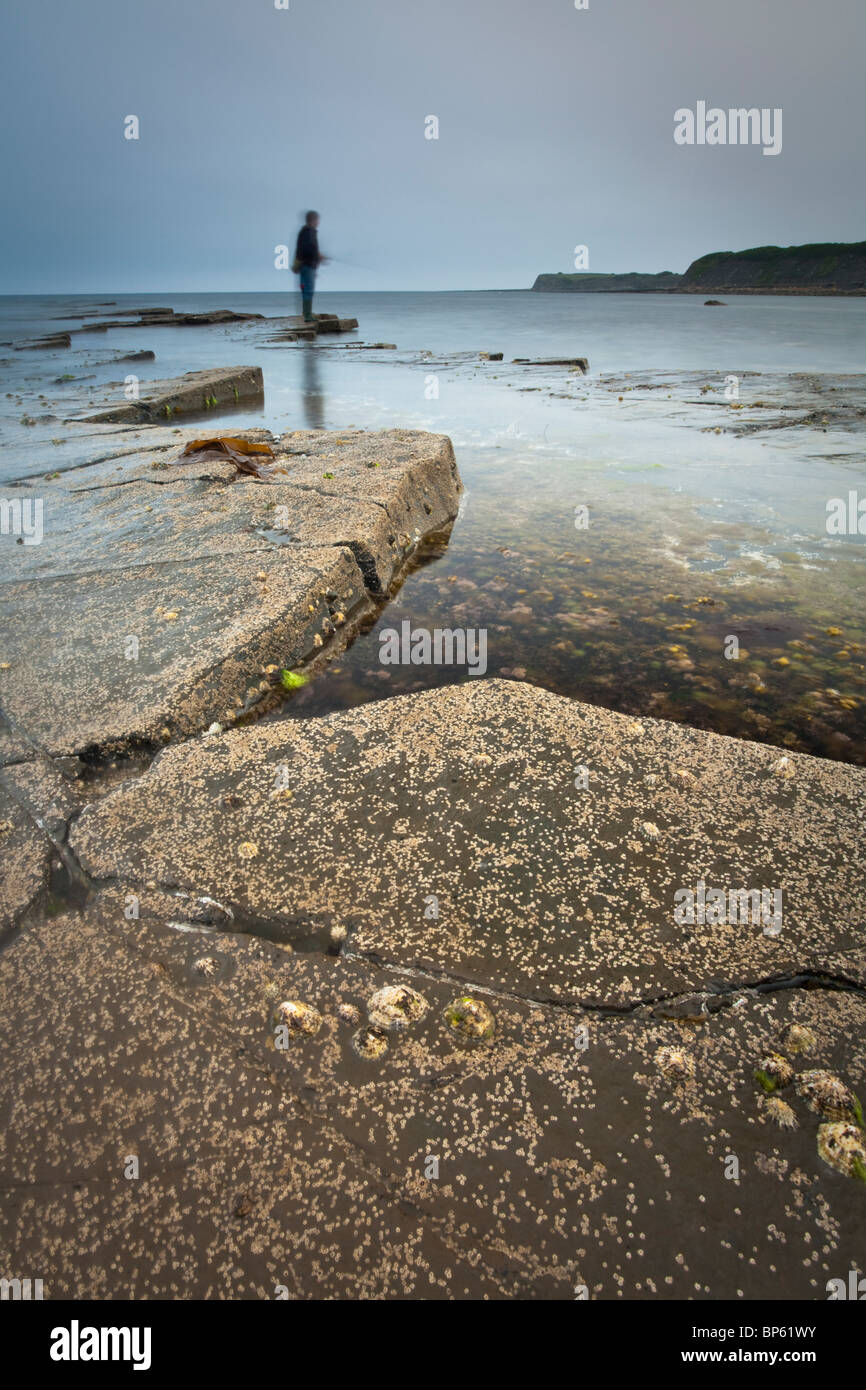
(818, 268)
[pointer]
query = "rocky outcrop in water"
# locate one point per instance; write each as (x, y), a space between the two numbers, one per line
(169, 593)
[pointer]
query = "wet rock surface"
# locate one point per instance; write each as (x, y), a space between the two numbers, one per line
(195, 393)
(162, 1144)
(128, 626)
(750, 402)
(449, 827)
(391, 1003)
(202, 633)
(25, 855)
(167, 1139)
(36, 804)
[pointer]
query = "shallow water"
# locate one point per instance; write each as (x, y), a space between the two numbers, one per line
(693, 537)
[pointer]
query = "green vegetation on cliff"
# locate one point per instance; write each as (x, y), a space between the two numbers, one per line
(588, 282)
(821, 265)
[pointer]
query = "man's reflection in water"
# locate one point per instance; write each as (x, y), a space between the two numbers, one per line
(311, 387)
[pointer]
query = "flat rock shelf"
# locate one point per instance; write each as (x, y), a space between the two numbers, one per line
(169, 584)
(436, 846)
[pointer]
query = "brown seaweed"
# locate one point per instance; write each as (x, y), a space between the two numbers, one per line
(240, 452)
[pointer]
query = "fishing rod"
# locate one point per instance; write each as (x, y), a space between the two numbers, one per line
(354, 265)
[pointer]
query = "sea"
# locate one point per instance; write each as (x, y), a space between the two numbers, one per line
(614, 534)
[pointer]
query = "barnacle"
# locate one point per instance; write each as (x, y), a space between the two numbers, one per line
(796, 1037)
(826, 1095)
(774, 1071)
(370, 1043)
(396, 1006)
(841, 1145)
(675, 1063)
(298, 1017)
(207, 965)
(470, 1017)
(780, 1112)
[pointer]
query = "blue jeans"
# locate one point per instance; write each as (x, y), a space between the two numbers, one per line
(308, 284)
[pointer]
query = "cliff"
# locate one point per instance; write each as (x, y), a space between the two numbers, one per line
(839, 266)
(587, 282)
(818, 268)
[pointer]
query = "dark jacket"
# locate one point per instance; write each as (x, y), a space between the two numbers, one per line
(307, 249)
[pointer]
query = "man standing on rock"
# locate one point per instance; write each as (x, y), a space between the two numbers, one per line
(307, 261)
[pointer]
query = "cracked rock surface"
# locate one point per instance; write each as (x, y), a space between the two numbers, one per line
(608, 1139)
(542, 889)
(162, 589)
(536, 1165)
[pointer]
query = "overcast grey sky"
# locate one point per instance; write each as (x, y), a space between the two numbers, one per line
(555, 129)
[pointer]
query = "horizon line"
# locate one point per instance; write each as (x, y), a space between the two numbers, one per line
(89, 294)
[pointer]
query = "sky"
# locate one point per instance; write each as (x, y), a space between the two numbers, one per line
(555, 130)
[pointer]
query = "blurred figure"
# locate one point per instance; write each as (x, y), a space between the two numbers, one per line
(307, 261)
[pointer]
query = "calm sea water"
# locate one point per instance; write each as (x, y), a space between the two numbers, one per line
(693, 536)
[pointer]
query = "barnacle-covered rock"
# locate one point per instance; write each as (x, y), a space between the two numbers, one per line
(675, 1064)
(842, 1145)
(774, 1071)
(470, 1017)
(395, 1007)
(826, 1095)
(298, 1017)
(370, 1043)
